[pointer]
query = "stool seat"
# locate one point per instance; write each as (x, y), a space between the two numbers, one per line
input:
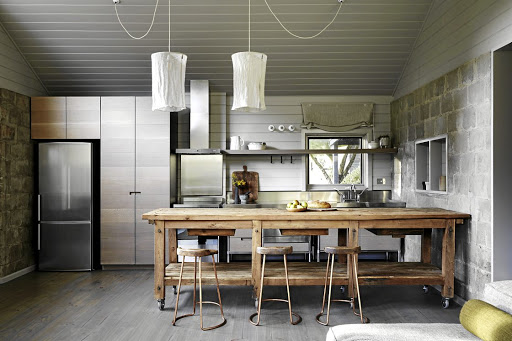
(342, 250)
(196, 252)
(274, 250)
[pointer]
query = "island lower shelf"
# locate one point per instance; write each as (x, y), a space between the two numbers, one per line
(300, 273)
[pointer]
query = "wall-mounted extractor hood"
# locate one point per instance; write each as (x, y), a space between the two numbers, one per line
(199, 119)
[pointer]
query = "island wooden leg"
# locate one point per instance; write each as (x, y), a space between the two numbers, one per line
(256, 257)
(173, 245)
(353, 241)
(426, 245)
(342, 241)
(448, 261)
(159, 260)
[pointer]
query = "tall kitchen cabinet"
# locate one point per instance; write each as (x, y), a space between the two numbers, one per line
(135, 177)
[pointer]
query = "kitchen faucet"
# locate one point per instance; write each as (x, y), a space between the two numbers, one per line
(350, 194)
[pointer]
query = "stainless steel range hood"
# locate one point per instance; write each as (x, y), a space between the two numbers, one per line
(199, 119)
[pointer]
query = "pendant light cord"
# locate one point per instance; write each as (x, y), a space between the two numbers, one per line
(150, 27)
(169, 25)
(249, 25)
(301, 37)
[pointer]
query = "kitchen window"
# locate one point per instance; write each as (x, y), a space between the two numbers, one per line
(325, 171)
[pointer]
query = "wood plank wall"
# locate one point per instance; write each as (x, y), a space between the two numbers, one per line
(284, 110)
(15, 74)
(287, 110)
(453, 33)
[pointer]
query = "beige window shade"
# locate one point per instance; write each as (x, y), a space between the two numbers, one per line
(337, 117)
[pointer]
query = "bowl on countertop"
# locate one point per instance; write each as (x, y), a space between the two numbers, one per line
(257, 146)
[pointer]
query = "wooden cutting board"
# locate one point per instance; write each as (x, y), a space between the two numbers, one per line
(252, 184)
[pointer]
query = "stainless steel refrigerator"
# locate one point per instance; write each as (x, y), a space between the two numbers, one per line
(65, 206)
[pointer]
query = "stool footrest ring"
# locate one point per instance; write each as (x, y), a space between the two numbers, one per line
(192, 314)
(299, 319)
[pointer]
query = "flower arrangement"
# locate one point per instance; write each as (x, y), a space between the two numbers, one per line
(236, 182)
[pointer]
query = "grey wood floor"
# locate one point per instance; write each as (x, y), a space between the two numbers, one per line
(119, 305)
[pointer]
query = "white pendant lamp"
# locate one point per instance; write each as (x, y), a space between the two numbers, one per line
(168, 72)
(168, 81)
(249, 78)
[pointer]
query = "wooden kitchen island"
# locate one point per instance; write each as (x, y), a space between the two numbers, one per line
(387, 221)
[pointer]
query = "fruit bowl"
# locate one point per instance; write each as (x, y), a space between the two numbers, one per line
(290, 209)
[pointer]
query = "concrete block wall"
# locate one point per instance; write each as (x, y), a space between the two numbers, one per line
(16, 184)
(457, 104)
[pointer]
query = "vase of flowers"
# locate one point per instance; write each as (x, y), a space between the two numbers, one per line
(238, 184)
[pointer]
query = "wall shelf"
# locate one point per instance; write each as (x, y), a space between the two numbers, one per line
(310, 151)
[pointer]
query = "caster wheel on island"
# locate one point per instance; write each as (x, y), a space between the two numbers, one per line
(175, 290)
(161, 304)
(445, 303)
(425, 289)
(342, 288)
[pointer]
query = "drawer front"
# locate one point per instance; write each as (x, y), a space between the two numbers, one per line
(237, 244)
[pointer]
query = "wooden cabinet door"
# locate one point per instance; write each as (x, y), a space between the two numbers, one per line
(152, 173)
(117, 180)
(83, 117)
(48, 118)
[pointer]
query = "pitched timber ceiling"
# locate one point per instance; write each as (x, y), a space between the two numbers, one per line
(79, 48)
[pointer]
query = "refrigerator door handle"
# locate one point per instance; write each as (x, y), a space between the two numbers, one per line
(135, 193)
(39, 207)
(38, 237)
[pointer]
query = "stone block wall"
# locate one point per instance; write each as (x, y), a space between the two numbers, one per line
(457, 104)
(16, 184)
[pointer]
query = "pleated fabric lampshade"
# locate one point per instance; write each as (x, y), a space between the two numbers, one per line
(249, 81)
(168, 81)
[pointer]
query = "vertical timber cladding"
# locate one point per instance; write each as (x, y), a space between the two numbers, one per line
(458, 104)
(16, 184)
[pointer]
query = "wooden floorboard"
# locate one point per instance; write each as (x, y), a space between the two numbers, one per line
(119, 305)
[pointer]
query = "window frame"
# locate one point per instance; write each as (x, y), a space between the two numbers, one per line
(366, 161)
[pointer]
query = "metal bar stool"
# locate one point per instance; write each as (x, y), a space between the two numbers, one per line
(276, 250)
(351, 253)
(198, 253)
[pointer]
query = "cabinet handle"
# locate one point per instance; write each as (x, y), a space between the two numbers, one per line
(135, 193)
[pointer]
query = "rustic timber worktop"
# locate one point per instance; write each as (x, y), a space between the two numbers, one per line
(397, 222)
(183, 214)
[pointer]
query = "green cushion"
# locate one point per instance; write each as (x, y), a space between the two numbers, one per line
(486, 321)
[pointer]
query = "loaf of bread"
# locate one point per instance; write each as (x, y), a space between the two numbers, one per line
(318, 204)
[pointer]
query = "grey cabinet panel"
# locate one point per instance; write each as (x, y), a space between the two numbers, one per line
(83, 117)
(135, 148)
(48, 118)
(152, 172)
(117, 180)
